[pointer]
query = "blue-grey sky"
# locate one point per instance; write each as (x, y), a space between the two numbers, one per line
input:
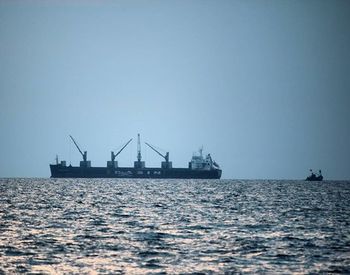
(263, 85)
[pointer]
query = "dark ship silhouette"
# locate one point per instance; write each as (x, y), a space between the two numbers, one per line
(314, 177)
(198, 168)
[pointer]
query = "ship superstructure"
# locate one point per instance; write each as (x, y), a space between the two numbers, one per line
(198, 162)
(199, 167)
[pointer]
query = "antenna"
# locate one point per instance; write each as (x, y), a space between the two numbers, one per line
(201, 151)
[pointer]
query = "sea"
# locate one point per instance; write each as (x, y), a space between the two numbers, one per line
(147, 226)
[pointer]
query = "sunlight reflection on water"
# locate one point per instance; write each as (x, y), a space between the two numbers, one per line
(173, 226)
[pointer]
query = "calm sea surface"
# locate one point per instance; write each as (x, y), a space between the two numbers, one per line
(119, 226)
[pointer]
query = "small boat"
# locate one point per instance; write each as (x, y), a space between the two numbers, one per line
(314, 177)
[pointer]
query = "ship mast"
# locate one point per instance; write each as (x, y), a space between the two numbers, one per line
(138, 148)
(139, 164)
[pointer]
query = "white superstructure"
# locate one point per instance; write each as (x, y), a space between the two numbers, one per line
(198, 162)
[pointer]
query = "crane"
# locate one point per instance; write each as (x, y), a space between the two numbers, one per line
(84, 155)
(166, 157)
(113, 156)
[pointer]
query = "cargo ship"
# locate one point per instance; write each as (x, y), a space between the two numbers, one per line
(199, 167)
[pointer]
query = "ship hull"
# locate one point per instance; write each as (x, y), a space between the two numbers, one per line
(59, 171)
(315, 178)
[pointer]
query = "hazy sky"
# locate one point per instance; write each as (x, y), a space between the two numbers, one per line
(264, 86)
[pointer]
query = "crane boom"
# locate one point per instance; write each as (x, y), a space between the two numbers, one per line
(115, 155)
(149, 145)
(166, 157)
(76, 145)
(84, 155)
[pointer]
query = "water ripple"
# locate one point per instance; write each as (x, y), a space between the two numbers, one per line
(115, 226)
